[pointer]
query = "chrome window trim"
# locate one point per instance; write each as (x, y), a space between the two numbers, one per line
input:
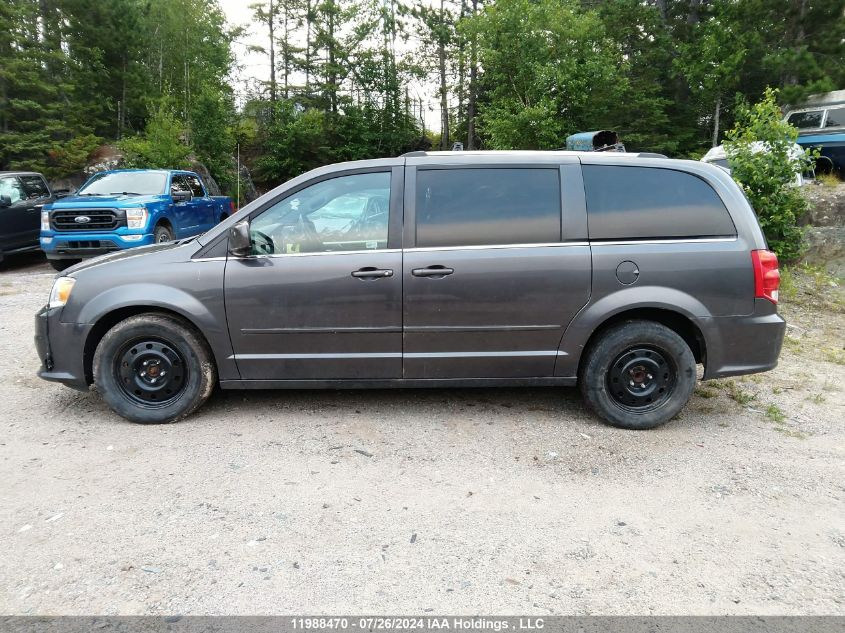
(428, 249)
(276, 255)
(670, 240)
(480, 247)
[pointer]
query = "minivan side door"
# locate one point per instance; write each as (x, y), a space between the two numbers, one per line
(320, 298)
(498, 268)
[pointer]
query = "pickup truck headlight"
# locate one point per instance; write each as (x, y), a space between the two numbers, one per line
(136, 218)
(45, 220)
(61, 291)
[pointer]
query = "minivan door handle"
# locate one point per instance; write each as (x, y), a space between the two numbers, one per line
(437, 271)
(368, 272)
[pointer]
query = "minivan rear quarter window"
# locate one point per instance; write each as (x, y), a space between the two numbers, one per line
(476, 207)
(625, 203)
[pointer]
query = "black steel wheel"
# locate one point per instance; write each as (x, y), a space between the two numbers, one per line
(151, 372)
(637, 374)
(154, 368)
(641, 379)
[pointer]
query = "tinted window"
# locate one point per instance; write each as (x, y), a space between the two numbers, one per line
(35, 186)
(178, 184)
(643, 202)
(468, 207)
(195, 185)
(12, 187)
(806, 120)
(348, 213)
(835, 117)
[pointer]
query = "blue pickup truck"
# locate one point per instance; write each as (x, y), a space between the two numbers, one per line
(126, 208)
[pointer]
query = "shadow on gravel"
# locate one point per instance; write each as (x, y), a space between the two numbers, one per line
(34, 262)
(512, 402)
(224, 406)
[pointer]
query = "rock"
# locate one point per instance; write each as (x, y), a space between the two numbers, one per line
(826, 247)
(363, 452)
(151, 570)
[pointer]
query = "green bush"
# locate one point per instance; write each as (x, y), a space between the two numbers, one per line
(767, 175)
(160, 147)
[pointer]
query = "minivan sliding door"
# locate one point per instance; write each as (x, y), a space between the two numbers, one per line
(491, 282)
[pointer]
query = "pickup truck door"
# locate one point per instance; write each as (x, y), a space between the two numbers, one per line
(19, 223)
(204, 203)
(186, 214)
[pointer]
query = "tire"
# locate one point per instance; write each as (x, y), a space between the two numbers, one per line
(654, 358)
(126, 356)
(63, 264)
(163, 234)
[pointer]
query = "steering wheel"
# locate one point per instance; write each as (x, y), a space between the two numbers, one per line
(266, 248)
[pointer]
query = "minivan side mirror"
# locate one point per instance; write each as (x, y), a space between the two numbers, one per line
(240, 244)
(181, 196)
(5, 201)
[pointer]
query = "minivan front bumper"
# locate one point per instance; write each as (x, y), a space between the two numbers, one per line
(743, 345)
(60, 348)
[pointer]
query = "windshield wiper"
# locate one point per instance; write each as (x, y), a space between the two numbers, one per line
(126, 193)
(90, 194)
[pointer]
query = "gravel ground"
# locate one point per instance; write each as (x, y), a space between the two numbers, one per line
(508, 501)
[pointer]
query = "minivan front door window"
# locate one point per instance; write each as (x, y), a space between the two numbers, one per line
(347, 213)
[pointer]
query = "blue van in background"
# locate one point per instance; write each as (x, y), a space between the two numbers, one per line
(821, 124)
(126, 208)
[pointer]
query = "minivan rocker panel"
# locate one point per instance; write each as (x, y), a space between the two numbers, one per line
(615, 272)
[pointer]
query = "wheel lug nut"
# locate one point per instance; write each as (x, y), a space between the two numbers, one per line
(649, 376)
(632, 383)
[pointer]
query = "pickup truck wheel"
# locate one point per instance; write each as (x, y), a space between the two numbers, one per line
(638, 375)
(163, 234)
(62, 264)
(153, 369)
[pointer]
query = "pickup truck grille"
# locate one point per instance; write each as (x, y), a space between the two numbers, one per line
(98, 220)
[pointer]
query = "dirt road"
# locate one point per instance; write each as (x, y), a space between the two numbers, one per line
(471, 501)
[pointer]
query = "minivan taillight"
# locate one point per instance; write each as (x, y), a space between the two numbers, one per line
(766, 275)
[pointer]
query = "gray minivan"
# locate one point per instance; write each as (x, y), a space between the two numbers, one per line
(616, 272)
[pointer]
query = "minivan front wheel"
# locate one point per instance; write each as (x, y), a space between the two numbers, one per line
(153, 368)
(638, 375)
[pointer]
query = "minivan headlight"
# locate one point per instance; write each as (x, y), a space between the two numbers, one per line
(45, 220)
(60, 293)
(136, 218)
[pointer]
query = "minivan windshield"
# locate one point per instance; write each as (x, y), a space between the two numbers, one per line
(137, 183)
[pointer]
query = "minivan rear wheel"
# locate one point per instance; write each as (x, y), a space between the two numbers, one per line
(638, 375)
(153, 368)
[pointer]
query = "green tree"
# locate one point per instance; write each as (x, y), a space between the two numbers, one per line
(549, 69)
(161, 146)
(760, 150)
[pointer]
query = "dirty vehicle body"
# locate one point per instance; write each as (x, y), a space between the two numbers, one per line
(608, 270)
(127, 208)
(22, 196)
(821, 124)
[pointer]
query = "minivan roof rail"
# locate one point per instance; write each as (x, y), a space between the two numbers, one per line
(550, 151)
